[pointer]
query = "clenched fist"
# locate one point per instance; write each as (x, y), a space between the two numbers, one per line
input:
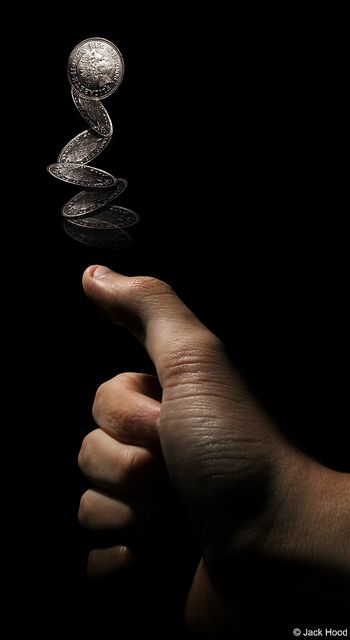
(191, 450)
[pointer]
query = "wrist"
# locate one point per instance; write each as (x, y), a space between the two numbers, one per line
(310, 514)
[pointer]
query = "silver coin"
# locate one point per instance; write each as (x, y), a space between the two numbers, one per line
(94, 113)
(83, 148)
(86, 202)
(95, 68)
(99, 238)
(111, 218)
(82, 175)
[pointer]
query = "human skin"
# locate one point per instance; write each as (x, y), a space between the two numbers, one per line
(255, 503)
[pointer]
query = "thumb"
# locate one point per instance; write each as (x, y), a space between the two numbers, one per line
(216, 442)
(151, 310)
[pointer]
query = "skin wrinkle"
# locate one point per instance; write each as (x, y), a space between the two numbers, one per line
(194, 352)
(203, 385)
(207, 460)
(199, 373)
(189, 392)
(209, 424)
(117, 416)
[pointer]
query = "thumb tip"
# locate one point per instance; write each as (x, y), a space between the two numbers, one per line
(104, 288)
(92, 275)
(95, 271)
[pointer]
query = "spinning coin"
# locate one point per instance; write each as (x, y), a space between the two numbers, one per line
(86, 202)
(95, 68)
(94, 113)
(83, 148)
(82, 175)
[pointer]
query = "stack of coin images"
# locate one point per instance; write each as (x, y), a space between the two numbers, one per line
(95, 71)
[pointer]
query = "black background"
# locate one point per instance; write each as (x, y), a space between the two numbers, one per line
(229, 132)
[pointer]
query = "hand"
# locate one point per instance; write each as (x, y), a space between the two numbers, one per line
(255, 503)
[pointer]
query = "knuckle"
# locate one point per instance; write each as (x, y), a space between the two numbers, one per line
(99, 397)
(199, 344)
(108, 393)
(100, 393)
(118, 421)
(131, 460)
(86, 509)
(86, 451)
(147, 285)
(196, 357)
(133, 465)
(118, 409)
(127, 464)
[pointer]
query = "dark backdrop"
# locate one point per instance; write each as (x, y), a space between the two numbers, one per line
(229, 133)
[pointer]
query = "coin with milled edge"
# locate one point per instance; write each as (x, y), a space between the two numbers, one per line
(95, 68)
(94, 113)
(83, 148)
(86, 202)
(111, 218)
(100, 238)
(82, 175)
